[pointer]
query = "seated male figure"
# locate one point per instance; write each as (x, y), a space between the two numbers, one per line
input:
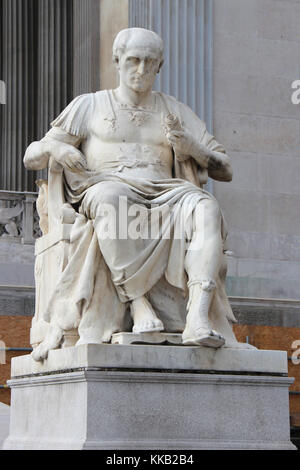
(155, 153)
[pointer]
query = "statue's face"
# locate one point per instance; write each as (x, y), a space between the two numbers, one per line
(138, 67)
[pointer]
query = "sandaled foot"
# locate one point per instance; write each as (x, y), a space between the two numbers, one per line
(203, 337)
(144, 317)
(52, 341)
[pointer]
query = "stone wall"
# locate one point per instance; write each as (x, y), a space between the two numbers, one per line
(256, 58)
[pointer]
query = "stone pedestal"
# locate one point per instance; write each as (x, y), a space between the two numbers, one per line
(4, 422)
(150, 397)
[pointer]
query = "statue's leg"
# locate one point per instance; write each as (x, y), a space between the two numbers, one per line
(144, 318)
(116, 250)
(202, 264)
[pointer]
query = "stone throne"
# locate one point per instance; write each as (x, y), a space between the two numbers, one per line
(51, 250)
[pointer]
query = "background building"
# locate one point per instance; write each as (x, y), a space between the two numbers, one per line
(233, 62)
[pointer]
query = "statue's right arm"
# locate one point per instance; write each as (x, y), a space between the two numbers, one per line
(58, 144)
(36, 156)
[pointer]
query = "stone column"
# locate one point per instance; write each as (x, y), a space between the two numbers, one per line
(54, 64)
(28, 219)
(186, 29)
(18, 124)
(55, 60)
(114, 16)
(37, 69)
(86, 46)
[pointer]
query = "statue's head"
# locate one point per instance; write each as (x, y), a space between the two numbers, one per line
(138, 55)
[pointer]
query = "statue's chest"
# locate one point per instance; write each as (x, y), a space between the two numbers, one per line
(131, 125)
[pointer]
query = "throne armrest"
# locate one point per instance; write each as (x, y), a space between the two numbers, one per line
(56, 215)
(59, 211)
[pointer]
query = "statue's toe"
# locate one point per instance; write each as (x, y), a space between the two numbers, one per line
(148, 326)
(40, 353)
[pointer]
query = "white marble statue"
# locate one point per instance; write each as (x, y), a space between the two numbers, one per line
(138, 152)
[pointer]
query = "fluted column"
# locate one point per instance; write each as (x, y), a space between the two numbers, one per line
(18, 114)
(37, 55)
(186, 29)
(86, 46)
(55, 60)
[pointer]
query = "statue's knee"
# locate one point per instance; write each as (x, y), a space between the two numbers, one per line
(110, 198)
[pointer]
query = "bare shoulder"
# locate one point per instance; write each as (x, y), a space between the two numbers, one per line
(75, 118)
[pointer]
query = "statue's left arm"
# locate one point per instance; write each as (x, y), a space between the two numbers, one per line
(207, 153)
(194, 141)
(218, 165)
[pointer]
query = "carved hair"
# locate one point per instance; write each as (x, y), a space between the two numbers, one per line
(125, 36)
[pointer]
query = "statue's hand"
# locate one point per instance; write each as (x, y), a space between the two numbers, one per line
(68, 156)
(186, 146)
(38, 153)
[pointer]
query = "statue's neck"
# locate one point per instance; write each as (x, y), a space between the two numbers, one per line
(130, 97)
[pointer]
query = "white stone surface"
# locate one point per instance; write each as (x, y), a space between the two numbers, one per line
(156, 337)
(4, 422)
(192, 358)
(107, 403)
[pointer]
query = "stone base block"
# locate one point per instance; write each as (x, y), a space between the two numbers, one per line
(112, 397)
(147, 338)
(4, 422)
